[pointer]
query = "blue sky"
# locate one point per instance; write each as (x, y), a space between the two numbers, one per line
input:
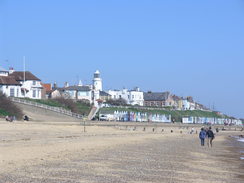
(187, 47)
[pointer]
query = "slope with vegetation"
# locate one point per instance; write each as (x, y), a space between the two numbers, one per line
(79, 107)
(8, 108)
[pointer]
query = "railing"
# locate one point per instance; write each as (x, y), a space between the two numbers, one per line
(51, 108)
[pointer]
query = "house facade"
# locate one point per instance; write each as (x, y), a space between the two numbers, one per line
(79, 92)
(132, 97)
(104, 96)
(158, 99)
(9, 86)
(30, 85)
(46, 90)
(20, 84)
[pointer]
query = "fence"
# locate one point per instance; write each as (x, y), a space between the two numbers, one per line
(50, 108)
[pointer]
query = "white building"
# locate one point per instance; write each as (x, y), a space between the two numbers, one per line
(188, 105)
(97, 81)
(132, 97)
(89, 93)
(80, 92)
(20, 84)
(8, 85)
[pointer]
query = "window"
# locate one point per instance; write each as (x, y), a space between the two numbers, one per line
(17, 92)
(11, 92)
(83, 94)
(34, 94)
(34, 82)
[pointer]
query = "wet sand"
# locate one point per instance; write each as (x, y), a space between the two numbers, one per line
(63, 153)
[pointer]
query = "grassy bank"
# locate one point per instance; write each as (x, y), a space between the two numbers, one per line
(68, 104)
(4, 113)
(177, 115)
(8, 108)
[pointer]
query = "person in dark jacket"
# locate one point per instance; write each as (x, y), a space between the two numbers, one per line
(210, 136)
(202, 136)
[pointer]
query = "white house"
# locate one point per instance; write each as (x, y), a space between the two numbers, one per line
(20, 84)
(136, 97)
(132, 97)
(8, 85)
(188, 105)
(80, 92)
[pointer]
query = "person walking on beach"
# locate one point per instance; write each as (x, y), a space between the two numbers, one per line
(202, 136)
(210, 136)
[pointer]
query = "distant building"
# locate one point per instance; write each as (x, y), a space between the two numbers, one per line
(89, 93)
(20, 84)
(46, 90)
(9, 86)
(79, 92)
(97, 81)
(104, 96)
(132, 97)
(158, 99)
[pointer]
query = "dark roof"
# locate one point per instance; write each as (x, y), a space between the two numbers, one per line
(156, 96)
(19, 76)
(8, 80)
(176, 98)
(104, 94)
(78, 88)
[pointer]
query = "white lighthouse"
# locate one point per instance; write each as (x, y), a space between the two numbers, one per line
(97, 81)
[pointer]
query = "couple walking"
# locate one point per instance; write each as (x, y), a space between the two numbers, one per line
(206, 133)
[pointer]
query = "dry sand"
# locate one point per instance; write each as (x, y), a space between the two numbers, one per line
(62, 152)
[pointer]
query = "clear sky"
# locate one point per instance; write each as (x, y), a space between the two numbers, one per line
(188, 47)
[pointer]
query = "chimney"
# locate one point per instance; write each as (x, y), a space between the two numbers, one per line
(137, 89)
(66, 84)
(55, 85)
(11, 70)
(80, 83)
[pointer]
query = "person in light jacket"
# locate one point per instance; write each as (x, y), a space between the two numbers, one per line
(202, 136)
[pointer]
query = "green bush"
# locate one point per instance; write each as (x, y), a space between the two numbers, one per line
(7, 107)
(80, 107)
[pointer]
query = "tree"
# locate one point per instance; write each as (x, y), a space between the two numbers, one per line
(9, 107)
(117, 102)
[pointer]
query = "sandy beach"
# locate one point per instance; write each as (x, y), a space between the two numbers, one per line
(63, 153)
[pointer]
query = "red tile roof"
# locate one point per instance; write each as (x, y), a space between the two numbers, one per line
(47, 86)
